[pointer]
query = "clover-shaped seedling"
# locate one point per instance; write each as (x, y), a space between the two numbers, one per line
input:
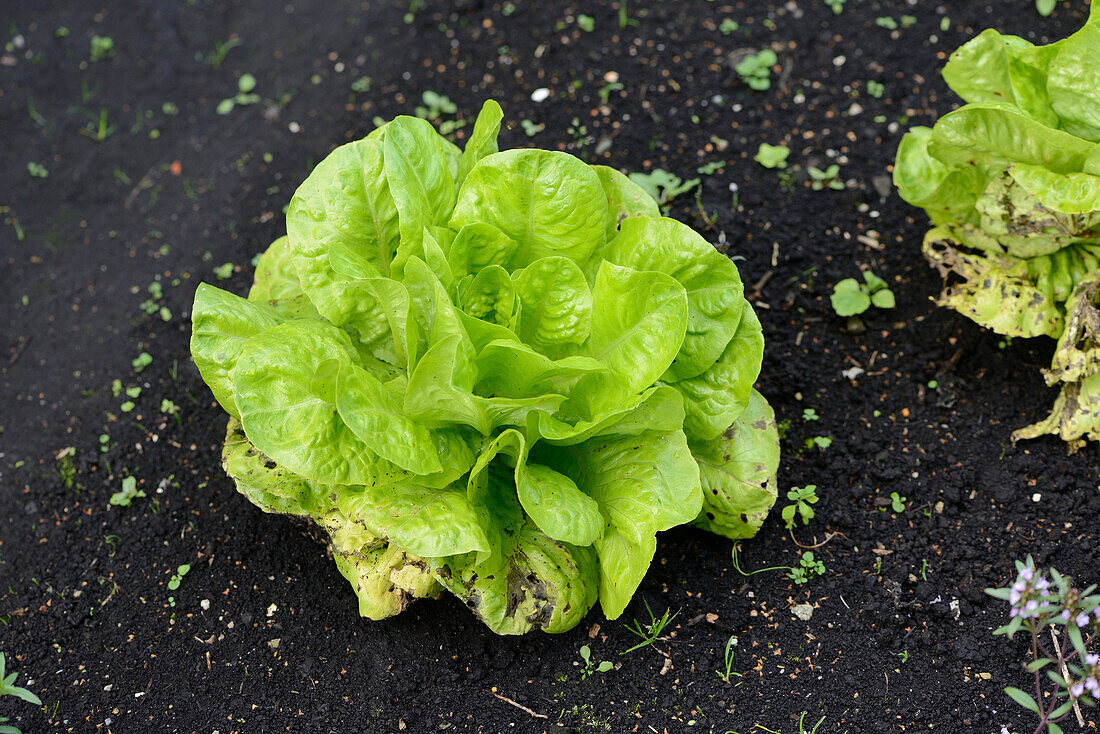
(802, 499)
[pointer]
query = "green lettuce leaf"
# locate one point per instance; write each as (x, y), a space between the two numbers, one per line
(737, 471)
(480, 371)
(549, 202)
(221, 324)
(714, 399)
(292, 417)
(277, 283)
(710, 279)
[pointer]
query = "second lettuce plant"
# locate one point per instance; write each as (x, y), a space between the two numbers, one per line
(1011, 182)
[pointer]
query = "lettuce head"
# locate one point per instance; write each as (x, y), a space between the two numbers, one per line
(497, 374)
(1011, 182)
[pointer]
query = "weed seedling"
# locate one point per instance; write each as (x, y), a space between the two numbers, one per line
(590, 666)
(851, 298)
(8, 688)
(802, 499)
(102, 47)
(141, 361)
(772, 156)
(820, 179)
(169, 408)
(808, 568)
(801, 728)
(530, 129)
(625, 21)
(818, 442)
(897, 502)
(37, 170)
(875, 89)
(177, 577)
(586, 23)
(727, 660)
(904, 655)
(99, 128)
(127, 494)
(836, 5)
(221, 48)
(729, 26)
(244, 96)
(650, 632)
(663, 186)
(1045, 7)
(809, 414)
(435, 106)
(755, 69)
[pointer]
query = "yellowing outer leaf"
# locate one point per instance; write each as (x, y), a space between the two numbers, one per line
(532, 583)
(1075, 416)
(996, 292)
(737, 471)
(549, 202)
(268, 485)
(1078, 354)
(386, 579)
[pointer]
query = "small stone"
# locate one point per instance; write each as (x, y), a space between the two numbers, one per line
(272, 609)
(205, 604)
(274, 644)
(803, 611)
(540, 94)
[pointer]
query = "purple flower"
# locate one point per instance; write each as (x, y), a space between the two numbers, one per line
(1092, 659)
(1082, 619)
(1077, 690)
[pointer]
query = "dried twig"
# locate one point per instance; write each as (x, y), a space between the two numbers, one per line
(519, 706)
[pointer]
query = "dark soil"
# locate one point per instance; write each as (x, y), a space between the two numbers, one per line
(262, 634)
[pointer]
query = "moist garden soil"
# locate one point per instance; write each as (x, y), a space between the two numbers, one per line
(261, 634)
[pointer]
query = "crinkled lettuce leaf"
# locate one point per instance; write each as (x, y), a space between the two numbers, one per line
(498, 374)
